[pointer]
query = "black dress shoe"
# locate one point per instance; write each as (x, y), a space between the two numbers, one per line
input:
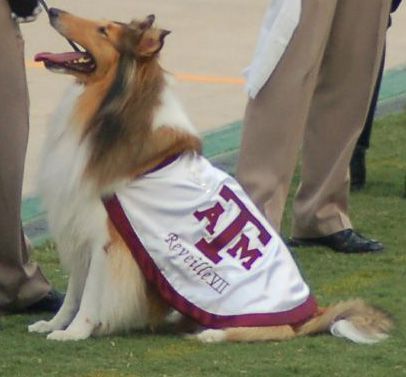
(345, 241)
(50, 303)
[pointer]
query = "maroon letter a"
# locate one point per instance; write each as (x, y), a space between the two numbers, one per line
(212, 249)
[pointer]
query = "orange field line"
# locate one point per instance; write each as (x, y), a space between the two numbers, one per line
(206, 79)
(209, 79)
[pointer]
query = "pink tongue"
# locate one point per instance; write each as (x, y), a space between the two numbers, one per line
(58, 58)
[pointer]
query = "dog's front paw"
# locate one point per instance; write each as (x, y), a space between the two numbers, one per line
(211, 336)
(66, 335)
(41, 327)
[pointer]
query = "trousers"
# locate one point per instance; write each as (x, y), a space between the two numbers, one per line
(315, 101)
(21, 281)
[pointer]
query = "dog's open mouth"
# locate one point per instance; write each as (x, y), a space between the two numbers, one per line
(81, 62)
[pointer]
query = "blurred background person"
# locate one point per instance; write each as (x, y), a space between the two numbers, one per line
(358, 170)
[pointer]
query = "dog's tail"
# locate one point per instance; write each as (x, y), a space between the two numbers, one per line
(353, 319)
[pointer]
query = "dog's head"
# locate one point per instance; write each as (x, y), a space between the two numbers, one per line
(104, 42)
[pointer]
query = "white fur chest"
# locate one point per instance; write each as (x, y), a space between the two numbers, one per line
(76, 216)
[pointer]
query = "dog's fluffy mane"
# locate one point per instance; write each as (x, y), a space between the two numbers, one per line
(121, 133)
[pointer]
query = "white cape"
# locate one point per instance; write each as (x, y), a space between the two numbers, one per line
(205, 246)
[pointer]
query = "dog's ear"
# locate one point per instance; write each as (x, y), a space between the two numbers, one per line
(151, 42)
(147, 23)
(142, 25)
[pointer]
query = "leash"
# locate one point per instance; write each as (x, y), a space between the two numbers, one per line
(46, 8)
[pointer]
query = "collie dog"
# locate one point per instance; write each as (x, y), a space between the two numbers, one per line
(146, 226)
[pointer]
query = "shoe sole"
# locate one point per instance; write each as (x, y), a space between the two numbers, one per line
(300, 243)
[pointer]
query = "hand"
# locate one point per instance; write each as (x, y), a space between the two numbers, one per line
(24, 10)
(395, 4)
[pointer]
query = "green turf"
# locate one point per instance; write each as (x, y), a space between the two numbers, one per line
(379, 211)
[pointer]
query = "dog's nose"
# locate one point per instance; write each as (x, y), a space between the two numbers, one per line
(54, 13)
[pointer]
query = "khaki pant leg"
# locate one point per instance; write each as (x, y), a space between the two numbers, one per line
(346, 81)
(274, 121)
(21, 282)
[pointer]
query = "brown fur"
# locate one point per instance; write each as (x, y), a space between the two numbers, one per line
(366, 318)
(104, 48)
(115, 112)
(123, 143)
(260, 334)
(158, 309)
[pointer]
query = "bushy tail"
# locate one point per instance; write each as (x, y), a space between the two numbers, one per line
(354, 320)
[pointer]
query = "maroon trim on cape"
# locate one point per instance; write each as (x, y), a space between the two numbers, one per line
(164, 163)
(153, 275)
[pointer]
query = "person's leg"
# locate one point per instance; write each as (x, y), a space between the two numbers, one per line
(274, 120)
(357, 165)
(345, 87)
(21, 281)
(365, 136)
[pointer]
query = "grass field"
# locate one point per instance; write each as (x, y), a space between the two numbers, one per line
(379, 211)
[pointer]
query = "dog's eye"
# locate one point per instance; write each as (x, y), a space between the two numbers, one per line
(103, 30)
